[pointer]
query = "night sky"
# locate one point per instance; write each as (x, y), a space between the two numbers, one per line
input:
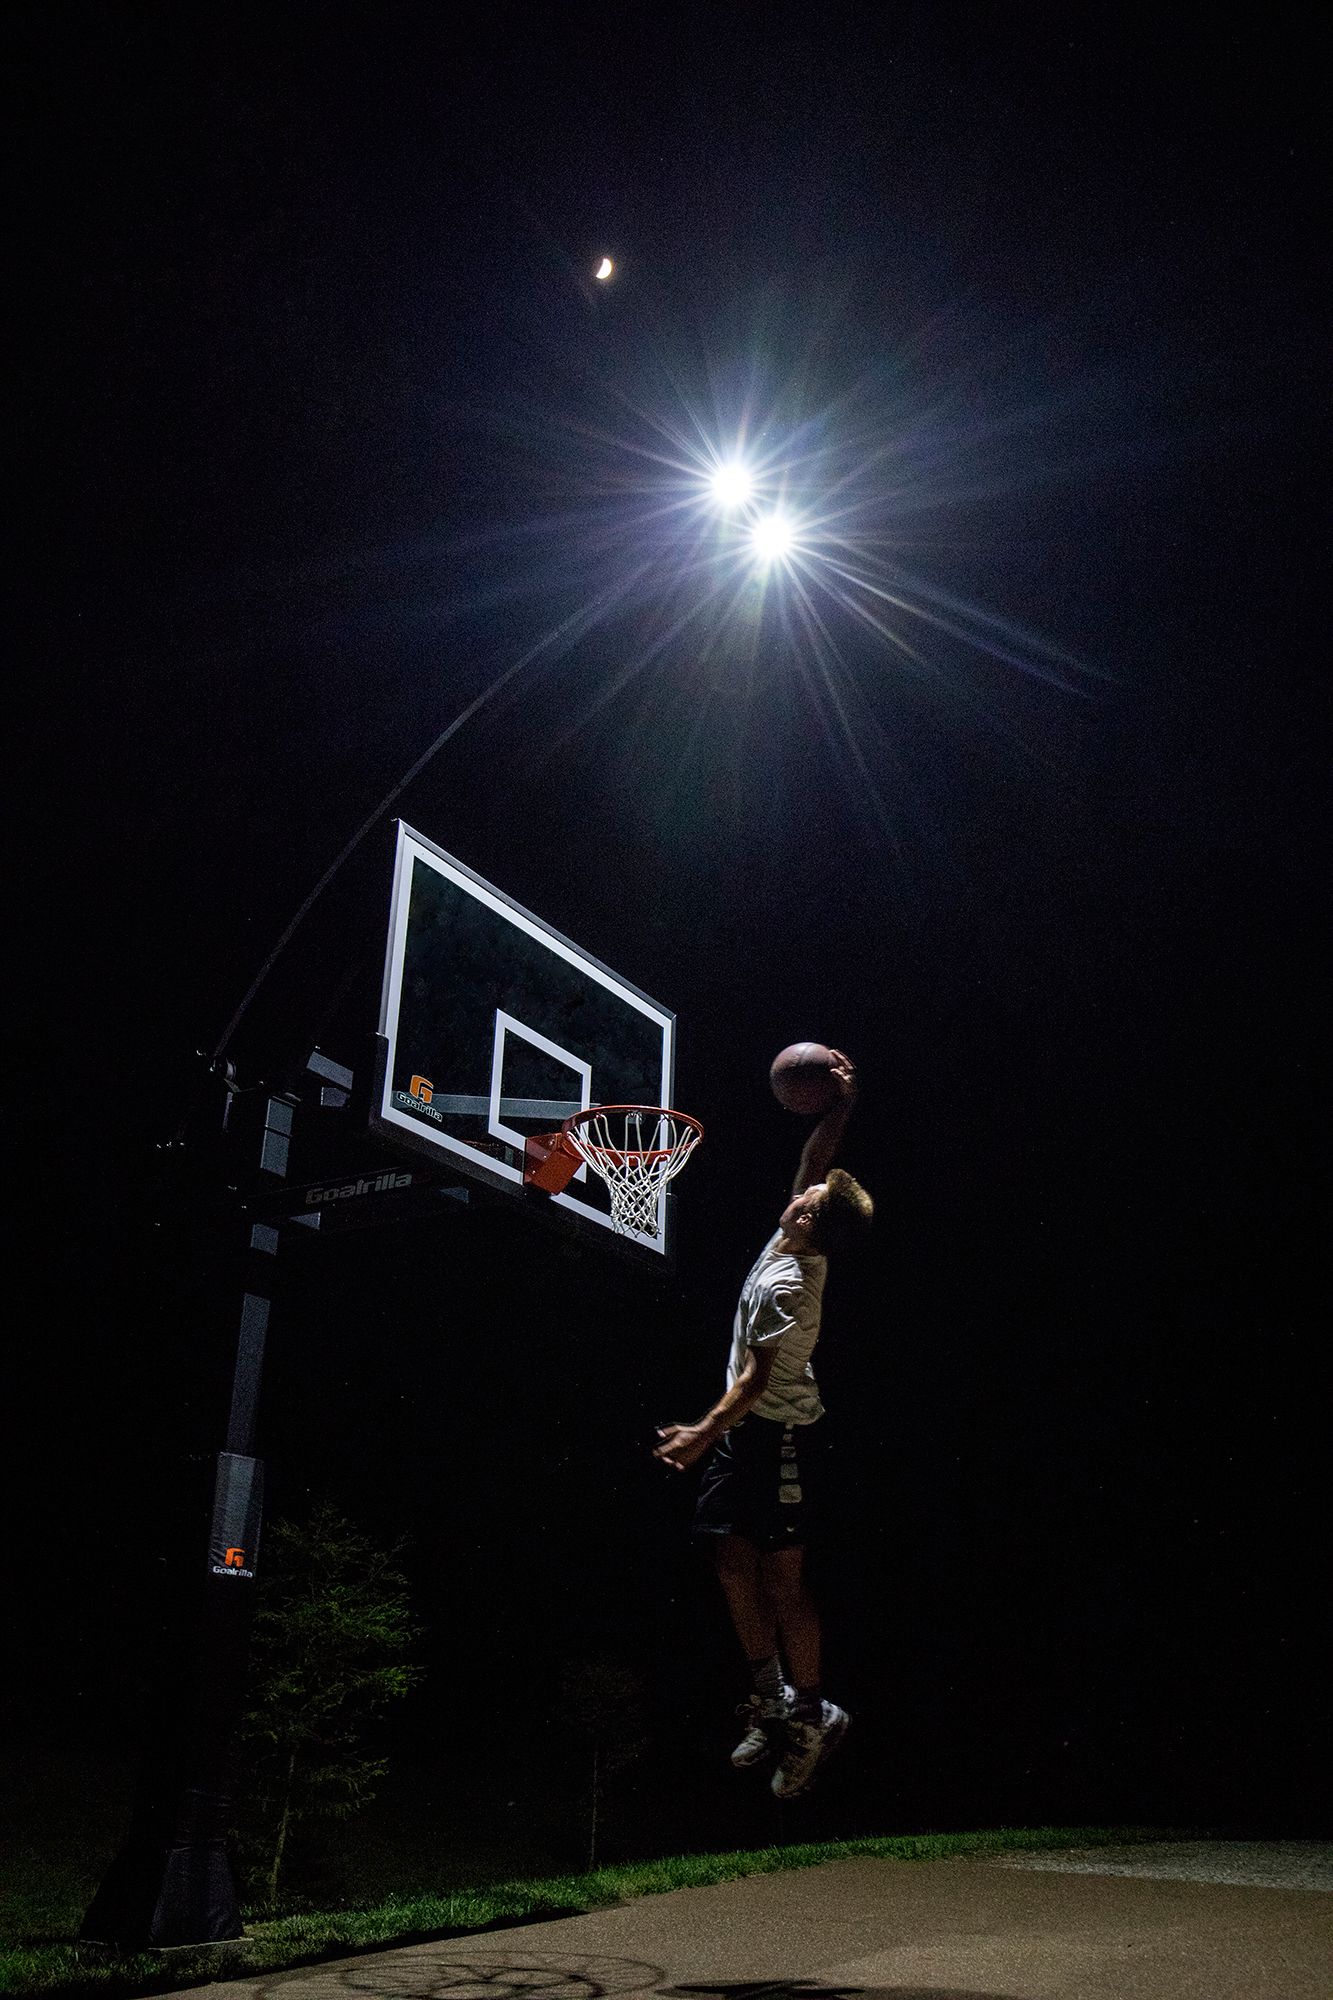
(328, 427)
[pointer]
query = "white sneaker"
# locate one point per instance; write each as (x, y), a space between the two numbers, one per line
(807, 1745)
(763, 1737)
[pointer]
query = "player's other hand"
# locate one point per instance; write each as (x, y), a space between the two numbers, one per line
(681, 1445)
(843, 1071)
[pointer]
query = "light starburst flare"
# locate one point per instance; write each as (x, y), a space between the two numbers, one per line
(773, 538)
(732, 485)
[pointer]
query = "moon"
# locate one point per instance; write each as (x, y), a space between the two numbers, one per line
(604, 269)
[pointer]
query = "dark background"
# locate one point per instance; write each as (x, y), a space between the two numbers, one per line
(327, 427)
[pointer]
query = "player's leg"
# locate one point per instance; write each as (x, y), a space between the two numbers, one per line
(782, 1572)
(815, 1726)
(733, 1516)
(738, 1565)
(737, 1562)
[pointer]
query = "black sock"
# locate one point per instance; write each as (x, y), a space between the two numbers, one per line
(766, 1677)
(808, 1705)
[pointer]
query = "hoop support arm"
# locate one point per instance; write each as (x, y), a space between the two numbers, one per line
(550, 1162)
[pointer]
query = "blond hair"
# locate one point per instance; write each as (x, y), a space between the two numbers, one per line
(844, 1215)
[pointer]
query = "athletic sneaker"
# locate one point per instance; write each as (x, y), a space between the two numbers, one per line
(763, 1737)
(807, 1745)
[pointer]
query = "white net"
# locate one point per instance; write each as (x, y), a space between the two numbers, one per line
(636, 1150)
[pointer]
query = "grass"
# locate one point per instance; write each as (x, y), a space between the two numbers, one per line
(274, 1942)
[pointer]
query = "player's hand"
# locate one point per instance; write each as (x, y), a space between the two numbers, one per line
(681, 1445)
(843, 1071)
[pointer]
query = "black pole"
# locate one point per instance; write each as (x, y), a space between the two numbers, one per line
(171, 1883)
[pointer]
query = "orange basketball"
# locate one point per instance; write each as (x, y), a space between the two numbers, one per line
(802, 1080)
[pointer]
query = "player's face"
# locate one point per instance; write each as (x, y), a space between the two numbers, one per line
(802, 1204)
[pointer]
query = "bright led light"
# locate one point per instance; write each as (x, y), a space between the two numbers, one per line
(772, 538)
(732, 485)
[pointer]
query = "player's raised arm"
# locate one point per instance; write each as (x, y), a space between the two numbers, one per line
(821, 1148)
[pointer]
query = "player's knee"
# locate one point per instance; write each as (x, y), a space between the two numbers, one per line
(784, 1582)
(734, 1556)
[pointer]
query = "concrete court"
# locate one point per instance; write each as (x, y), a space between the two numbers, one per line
(1207, 1921)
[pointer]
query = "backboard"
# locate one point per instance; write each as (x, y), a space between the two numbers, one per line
(494, 1026)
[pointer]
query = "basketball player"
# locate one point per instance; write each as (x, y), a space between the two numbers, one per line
(760, 1488)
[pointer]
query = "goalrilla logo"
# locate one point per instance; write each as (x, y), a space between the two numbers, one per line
(232, 1564)
(417, 1097)
(374, 1184)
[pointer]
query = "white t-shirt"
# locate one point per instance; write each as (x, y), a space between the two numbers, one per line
(779, 1311)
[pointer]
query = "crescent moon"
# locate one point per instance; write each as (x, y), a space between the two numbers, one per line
(605, 268)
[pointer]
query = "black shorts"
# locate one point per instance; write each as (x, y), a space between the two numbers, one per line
(763, 1480)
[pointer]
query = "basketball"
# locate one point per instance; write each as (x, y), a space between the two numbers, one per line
(801, 1078)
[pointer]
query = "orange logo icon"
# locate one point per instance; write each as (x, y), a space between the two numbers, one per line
(234, 1559)
(422, 1087)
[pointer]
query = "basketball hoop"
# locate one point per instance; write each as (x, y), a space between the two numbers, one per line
(635, 1148)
